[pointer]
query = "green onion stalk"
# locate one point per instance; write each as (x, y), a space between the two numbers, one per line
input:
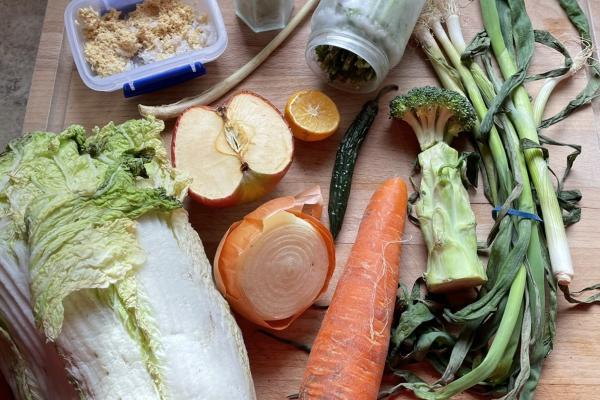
(542, 336)
(538, 281)
(542, 97)
(535, 252)
(522, 117)
(454, 45)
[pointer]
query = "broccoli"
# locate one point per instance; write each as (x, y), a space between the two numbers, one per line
(445, 216)
(434, 114)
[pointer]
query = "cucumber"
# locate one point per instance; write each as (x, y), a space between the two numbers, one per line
(345, 159)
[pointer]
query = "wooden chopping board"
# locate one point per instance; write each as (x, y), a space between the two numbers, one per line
(59, 98)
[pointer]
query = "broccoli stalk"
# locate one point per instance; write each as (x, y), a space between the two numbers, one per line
(443, 209)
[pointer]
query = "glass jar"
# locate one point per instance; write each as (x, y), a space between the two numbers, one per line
(264, 15)
(354, 43)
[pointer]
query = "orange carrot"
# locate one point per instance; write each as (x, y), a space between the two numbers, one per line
(348, 356)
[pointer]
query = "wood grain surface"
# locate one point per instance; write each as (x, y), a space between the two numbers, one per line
(59, 98)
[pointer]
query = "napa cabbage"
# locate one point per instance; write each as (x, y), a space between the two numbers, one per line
(108, 291)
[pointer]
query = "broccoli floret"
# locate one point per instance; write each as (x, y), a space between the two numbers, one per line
(435, 114)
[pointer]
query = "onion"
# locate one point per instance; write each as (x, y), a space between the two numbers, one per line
(277, 261)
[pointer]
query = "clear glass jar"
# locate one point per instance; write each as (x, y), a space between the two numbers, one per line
(354, 43)
(264, 15)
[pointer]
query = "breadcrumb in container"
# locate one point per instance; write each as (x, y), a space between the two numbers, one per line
(154, 31)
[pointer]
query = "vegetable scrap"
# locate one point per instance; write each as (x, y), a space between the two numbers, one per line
(107, 292)
(277, 261)
(343, 65)
(349, 352)
(443, 208)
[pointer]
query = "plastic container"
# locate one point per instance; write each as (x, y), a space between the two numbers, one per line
(376, 31)
(264, 15)
(152, 76)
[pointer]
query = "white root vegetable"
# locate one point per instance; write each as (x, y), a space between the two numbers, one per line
(169, 111)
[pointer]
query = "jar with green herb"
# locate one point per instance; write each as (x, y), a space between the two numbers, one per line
(354, 43)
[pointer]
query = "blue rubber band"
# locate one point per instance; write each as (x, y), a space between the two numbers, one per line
(517, 213)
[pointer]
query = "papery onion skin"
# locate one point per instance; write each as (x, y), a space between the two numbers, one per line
(240, 236)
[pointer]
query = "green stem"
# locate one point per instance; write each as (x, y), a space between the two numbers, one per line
(542, 99)
(504, 368)
(535, 251)
(490, 171)
(438, 60)
(537, 263)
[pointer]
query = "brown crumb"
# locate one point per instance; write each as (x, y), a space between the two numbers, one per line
(154, 31)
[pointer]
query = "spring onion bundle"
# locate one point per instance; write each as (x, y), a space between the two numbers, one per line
(497, 344)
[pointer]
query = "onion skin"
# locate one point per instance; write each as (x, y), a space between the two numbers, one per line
(240, 237)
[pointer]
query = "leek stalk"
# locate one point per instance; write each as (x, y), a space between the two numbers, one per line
(522, 116)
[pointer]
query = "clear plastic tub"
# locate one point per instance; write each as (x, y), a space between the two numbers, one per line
(370, 33)
(152, 76)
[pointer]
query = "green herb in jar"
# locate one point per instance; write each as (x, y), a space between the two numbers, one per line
(342, 65)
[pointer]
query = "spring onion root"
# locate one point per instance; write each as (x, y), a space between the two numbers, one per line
(579, 61)
(169, 111)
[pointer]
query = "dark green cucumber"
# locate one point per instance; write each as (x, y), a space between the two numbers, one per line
(345, 159)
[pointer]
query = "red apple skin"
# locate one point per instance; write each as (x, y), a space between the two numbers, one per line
(259, 184)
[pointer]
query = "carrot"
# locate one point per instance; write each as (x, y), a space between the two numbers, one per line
(348, 355)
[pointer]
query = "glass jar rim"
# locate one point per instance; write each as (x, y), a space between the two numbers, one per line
(356, 44)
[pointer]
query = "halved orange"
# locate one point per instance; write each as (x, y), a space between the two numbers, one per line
(312, 115)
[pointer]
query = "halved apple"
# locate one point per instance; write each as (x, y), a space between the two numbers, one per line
(235, 153)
